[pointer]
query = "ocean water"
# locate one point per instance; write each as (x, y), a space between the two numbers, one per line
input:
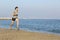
(35, 25)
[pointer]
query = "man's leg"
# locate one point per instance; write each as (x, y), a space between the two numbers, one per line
(17, 22)
(11, 25)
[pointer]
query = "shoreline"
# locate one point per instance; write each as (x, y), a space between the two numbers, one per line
(27, 30)
(6, 34)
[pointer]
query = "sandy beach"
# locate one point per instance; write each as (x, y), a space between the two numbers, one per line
(6, 34)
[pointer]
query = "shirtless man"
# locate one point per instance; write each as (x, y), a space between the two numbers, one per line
(15, 18)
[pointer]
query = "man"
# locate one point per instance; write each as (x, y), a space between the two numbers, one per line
(15, 18)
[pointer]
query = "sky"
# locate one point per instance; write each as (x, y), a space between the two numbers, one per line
(31, 9)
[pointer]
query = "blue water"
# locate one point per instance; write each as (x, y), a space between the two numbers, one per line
(35, 25)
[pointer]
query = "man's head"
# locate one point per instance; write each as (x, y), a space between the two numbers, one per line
(16, 8)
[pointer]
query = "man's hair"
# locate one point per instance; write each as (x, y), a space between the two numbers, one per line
(16, 7)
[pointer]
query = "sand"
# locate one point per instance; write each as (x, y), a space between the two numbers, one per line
(6, 34)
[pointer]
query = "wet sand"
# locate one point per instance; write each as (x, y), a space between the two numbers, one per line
(6, 34)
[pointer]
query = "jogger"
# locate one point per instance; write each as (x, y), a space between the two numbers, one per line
(15, 18)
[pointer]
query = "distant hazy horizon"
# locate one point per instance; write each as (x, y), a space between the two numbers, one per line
(31, 9)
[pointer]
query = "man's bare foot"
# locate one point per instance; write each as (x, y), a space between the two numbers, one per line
(10, 28)
(17, 28)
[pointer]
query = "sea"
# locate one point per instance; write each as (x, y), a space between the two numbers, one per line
(35, 25)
